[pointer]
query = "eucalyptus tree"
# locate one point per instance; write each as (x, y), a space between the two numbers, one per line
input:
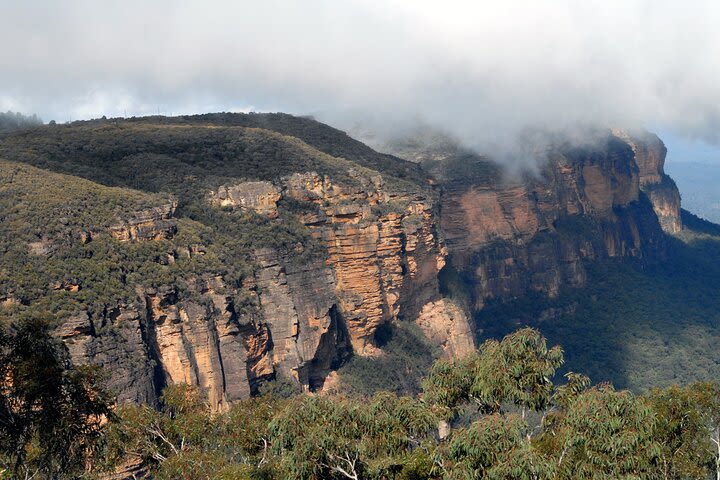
(516, 370)
(326, 437)
(602, 433)
(495, 447)
(51, 412)
(687, 450)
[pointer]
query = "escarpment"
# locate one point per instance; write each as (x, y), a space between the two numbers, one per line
(507, 238)
(650, 154)
(226, 251)
(228, 277)
(300, 319)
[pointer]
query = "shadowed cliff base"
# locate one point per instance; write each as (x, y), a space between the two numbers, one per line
(637, 327)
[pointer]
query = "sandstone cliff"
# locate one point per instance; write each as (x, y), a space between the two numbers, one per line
(298, 320)
(650, 155)
(236, 254)
(506, 239)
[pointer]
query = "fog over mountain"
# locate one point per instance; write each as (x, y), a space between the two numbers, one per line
(481, 71)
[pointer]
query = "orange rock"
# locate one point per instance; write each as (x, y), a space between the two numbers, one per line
(447, 326)
(261, 197)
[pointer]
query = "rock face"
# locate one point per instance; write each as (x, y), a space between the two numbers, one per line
(384, 250)
(298, 303)
(261, 197)
(298, 320)
(117, 340)
(650, 155)
(162, 340)
(586, 203)
(447, 325)
(149, 224)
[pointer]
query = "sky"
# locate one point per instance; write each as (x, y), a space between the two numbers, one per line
(482, 71)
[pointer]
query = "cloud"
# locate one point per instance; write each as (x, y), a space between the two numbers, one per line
(481, 70)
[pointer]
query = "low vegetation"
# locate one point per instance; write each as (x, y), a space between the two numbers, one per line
(494, 414)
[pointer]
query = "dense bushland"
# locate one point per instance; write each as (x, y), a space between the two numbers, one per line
(494, 414)
(637, 328)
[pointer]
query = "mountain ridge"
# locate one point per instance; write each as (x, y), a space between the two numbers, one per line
(283, 246)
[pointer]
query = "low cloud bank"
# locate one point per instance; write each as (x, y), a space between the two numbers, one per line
(482, 72)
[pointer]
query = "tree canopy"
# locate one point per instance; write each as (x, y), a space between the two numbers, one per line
(494, 414)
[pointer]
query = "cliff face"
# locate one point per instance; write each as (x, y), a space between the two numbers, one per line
(585, 203)
(161, 339)
(381, 247)
(215, 279)
(298, 320)
(383, 257)
(650, 155)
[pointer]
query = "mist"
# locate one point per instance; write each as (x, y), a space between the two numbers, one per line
(482, 72)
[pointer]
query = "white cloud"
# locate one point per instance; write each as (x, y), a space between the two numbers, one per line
(482, 70)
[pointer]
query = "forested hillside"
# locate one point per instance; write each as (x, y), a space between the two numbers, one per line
(638, 328)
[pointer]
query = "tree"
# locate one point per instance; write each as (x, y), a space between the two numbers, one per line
(495, 447)
(183, 421)
(707, 395)
(687, 450)
(323, 437)
(186, 439)
(51, 413)
(603, 433)
(517, 370)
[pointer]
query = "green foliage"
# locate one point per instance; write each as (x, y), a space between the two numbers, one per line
(320, 136)
(323, 437)
(684, 429)
(185, 438)
(606, 434)
(517, 370)
(45, 217)
(495, 447)
(407, 357)
(280, 387)
(636, 328)
(50, 412)
(567, 393)
(153, 435)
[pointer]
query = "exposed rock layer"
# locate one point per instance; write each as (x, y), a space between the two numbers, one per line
(535, 235)
(650, 154)
(296, 320)
(149, 224)
(384, 251)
